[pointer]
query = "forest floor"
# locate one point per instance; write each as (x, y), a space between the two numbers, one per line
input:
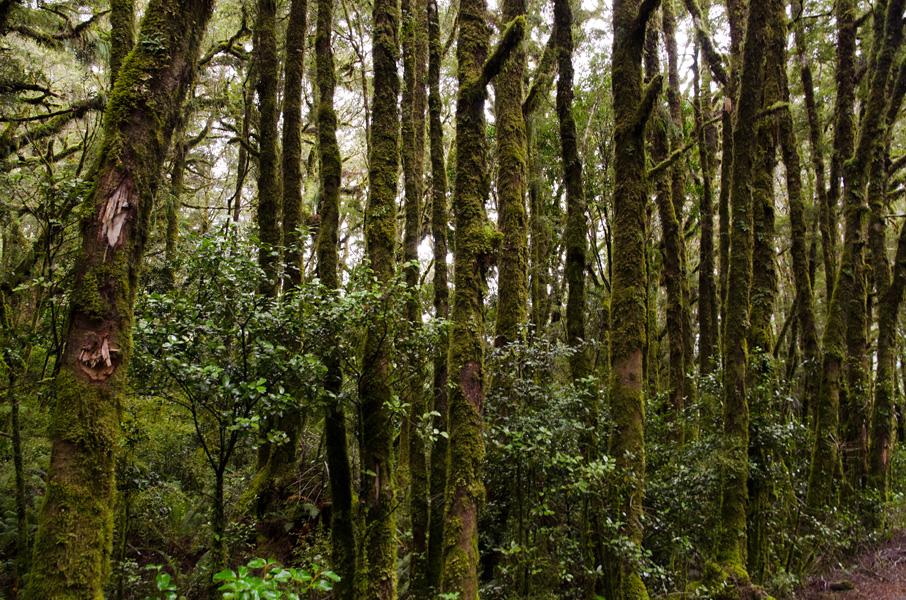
(877, 573)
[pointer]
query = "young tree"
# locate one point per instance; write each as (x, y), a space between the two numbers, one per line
(72, 547)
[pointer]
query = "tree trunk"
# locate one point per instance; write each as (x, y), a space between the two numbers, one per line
(844, 131)
(294, 72)
(342, 521)
(439, 222)
(816, 141)
(672, 269)
(122, 34)
(731, 542)
(378, 576)
(512, 280)
(736, 13)
(72, 547)
(707, 291)
(268, 215)
(633, 103)
(413, 152)
(805, 302)
(475, 243)
(842, 337)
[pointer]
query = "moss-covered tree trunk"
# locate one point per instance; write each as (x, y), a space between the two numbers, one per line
(762, 300)
(678, 198)
(414, 42)
(576, 250)
(736, 16)
(540, 242)
(816, 143)
(122, 34)
(731, 546)
(276, 461)
(475, 243)
(889, 283)
(72, 546)
(672, 270)
(342, 519)
(844, 132)
(293, 74)
(439, 223)
(377, 577)
(855, 404)
(512, 280)
(805, 302)
(267, 217)
(707, 290)
(633, 103)
(889, 286)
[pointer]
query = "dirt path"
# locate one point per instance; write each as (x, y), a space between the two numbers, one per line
(877, 574)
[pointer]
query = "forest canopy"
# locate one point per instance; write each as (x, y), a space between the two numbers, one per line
(449, 299)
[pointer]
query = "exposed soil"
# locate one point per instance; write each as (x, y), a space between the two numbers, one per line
(875, 574)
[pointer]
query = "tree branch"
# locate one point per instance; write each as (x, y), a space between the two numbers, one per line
(651, 93)
(715, 61)
(511, 38)
(544, 76)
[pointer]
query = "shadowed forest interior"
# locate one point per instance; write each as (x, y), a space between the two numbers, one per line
(449, 299)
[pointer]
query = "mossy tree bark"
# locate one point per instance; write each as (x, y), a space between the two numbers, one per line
(844, 131)
(540, 241)
(268, 215)
(576, 251)
(633, 103)
(439, 223)
(377, 577)
(736, 16)
(816, 143)
(342, 520)
(672, 270)
(889, 284)
(72, 546)
(414, 42)
(731, 545)
(804, 302)
(475, 243)
(275, 461)
(122, 34)
(678, 197)
(707, 291)
(293, 73)
(512, 281)
(762, 300)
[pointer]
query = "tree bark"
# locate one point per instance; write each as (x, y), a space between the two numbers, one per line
(439, 223)
(294, 72)
(342, 520)
(268, 216)
(475, 243)
(72, 547)
(413, 151)
(731, 542)
(633, 103)
(377, 579)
